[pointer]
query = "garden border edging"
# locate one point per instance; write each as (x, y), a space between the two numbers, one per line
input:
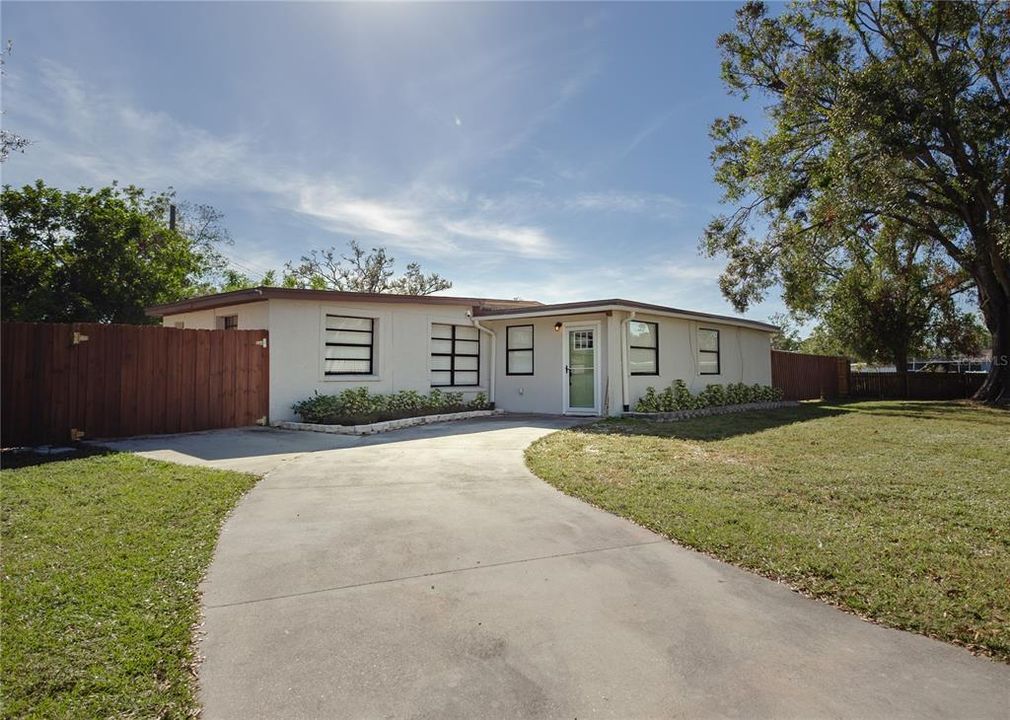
(707, 411)
(385, 425)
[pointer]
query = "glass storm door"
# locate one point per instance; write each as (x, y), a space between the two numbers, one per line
(581, 369)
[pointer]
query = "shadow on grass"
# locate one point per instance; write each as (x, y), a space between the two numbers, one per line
(717, 427)
(955, 410)
(15, 459)
(721, 427)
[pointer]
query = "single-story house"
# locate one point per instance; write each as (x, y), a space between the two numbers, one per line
(593, 358)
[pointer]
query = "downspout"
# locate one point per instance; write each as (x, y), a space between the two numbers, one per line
(625, 375)
(490, 383)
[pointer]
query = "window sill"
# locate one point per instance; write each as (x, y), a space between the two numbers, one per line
(351, 378)
(460, 388)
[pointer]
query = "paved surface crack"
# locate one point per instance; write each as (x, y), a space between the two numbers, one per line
(434, 573)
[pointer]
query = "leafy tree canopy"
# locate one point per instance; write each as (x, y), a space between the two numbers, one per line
(97, 255)
(881, 113)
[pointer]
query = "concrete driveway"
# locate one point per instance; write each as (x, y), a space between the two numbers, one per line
(427, 574)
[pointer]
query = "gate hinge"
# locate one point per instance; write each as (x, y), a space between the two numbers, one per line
(79, 338)
(262, 420)
(76, 434)
(262, 343)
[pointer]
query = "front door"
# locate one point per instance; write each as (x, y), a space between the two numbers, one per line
(580, 369)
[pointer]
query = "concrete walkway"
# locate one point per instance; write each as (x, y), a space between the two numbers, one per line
(427, 574)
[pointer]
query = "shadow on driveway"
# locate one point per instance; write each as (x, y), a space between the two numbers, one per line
(260, 449)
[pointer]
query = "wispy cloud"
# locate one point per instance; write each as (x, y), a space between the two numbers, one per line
(618, 201)
(429, 225)
(92, 137)
(644, 134)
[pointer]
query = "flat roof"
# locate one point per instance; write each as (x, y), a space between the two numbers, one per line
(588, 306)
(258, 294)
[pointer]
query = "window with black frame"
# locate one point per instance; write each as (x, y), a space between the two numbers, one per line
(455, 355)
(708, 352)
(350, 346)
(519, 350)
(643, 347)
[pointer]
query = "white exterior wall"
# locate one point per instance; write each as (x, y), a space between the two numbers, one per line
(744, 355)
(402, 350)
(543, 392)
(251, 316)
(402, 346)
(403, 353)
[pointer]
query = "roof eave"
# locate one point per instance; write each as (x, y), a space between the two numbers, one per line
(258, 294)
(625, 306)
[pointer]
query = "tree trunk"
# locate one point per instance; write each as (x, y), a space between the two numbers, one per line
(901, 367)
(996, 310)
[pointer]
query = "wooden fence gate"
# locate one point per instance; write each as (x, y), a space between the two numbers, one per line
(63, 382)
(810, 377)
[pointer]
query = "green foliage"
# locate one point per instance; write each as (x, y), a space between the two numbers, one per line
(788, 336)
(677, 397)
(682, 398)
(358, 406)
(712, 396)
(94, 255)
(882, 183)
(649, 402)
(822, 341)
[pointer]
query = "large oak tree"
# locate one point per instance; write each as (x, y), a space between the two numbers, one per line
(879, 113)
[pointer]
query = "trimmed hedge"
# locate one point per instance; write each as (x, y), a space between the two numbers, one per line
(357, 406)
(678, 397)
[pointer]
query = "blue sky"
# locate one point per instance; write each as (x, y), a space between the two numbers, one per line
(548, 151)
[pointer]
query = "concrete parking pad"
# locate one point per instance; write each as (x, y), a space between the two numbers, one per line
(427, 574)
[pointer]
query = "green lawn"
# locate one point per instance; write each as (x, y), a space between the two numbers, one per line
(899, 511)
(101, 560)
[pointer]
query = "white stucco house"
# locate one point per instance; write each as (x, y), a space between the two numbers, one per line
(593, 358)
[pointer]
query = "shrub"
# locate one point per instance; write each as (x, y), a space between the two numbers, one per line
(648, 402)
(713, 396)
(678, 397)
(682, 398)
(738, 394)
(356, 406)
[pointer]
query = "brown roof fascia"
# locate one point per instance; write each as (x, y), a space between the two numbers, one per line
(259, 294)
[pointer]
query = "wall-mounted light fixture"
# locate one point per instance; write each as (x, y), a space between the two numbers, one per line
(557, 327)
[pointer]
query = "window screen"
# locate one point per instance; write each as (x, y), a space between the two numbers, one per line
(519, 350)
(643, 347)
(350, 345)
(708, 351)
(455, 355)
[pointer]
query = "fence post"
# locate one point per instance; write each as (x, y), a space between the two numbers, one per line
(843, 376)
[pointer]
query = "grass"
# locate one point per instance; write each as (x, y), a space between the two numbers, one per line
(101, 560)
(898, 511)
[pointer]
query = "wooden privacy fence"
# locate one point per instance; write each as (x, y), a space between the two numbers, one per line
(915, 386)
(62, 382)
(810, 377)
